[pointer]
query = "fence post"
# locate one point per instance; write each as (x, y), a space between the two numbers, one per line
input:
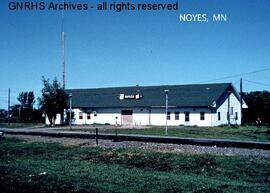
(97, 136)
(116, 134)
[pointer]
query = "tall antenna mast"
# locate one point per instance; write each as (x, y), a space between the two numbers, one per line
(63, 51)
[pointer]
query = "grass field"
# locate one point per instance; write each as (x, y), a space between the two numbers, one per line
(21, 125)
(240, 133)
(251, 133)
(40, 167)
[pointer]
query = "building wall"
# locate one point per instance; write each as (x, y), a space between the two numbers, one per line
(144, 116)
(100, 116)
(223, 110)
(158, 117)
(141, 116)
(56, 122)
(108, 116)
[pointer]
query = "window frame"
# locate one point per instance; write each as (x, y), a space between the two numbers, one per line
(88, 115)
(168, 116)
(202, 116)
(80, 115)
(187, 117)
(176, 115)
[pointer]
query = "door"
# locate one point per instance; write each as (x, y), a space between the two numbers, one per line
(127, 117)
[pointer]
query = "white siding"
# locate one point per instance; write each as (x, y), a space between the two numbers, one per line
(158, 117)
(142, 116)
(56, 122)
(102, 116)
(223, 109)
(108, 116)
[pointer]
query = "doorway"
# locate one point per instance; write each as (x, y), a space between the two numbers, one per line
(127, 117)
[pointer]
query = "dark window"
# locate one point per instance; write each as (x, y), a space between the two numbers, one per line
(236, 115)
(202, 115)
(219, 116)
(168, 115)
(88, 115)
(186, 116)
(176, 115)
(95, 113)
(80, 115)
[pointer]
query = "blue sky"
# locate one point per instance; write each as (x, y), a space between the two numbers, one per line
(108, 49)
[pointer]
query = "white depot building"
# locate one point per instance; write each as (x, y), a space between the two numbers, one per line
(189, 105)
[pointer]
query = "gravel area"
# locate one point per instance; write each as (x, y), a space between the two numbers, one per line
(177, 148)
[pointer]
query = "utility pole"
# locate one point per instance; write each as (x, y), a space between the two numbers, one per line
(241, 100)
(166, 111)
(70, 111)
(63, 50)
(8, 105)
(229, 116)
(63, 58)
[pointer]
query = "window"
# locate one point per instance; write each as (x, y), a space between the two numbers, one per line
(202, 115)
(186, 116)
(236, 115)
(176, 115)
(168, 115)
(219, 116)
(95, 113)
(88, 115)
(80, 115)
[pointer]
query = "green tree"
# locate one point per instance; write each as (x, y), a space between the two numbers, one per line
(22, 98)
(27, 100)
(30, 99)
(53, 100)
(258, 106)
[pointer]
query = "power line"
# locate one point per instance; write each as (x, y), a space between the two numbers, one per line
(239, 75)
(236, 82)
(258, 83)
(12, 91)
